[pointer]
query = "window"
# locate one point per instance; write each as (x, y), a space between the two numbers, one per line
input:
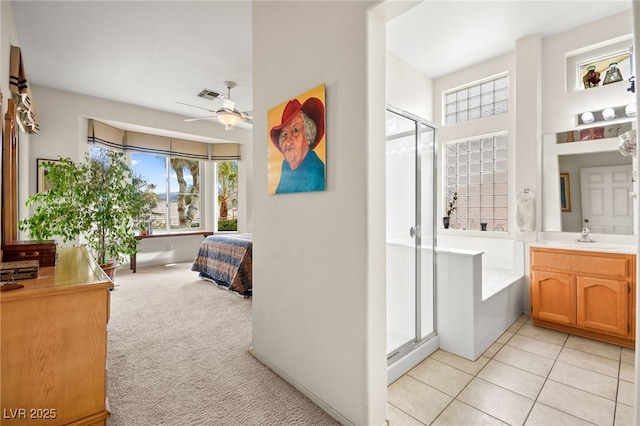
(475, 101)
(227, 195)
(588, 68)
(477, 170)
(177, 187)
(175, 168)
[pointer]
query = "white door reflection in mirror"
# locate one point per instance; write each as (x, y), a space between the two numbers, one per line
(606, 201)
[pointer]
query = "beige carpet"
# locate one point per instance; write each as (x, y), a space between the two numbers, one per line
(178, 355)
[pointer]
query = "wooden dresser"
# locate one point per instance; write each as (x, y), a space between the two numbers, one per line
(54, 345)
(590, 294)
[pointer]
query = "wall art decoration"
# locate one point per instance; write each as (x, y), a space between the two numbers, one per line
(43, 184)
(296, 148)
(565, 192)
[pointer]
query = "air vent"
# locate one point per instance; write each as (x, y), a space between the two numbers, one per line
(208, 94)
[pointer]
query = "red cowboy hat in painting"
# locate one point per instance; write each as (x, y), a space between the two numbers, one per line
(312, 107)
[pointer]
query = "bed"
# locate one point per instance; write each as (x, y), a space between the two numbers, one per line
(226, 259)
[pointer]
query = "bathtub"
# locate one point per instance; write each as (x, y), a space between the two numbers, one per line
(479, 285)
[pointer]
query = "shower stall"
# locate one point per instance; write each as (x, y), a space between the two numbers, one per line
(410, 238)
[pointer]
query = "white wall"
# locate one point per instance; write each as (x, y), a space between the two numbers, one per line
(559, 103)
(527, 123)
(318, 301)
(408, 89)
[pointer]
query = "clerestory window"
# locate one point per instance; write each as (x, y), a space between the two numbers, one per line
(478, 100)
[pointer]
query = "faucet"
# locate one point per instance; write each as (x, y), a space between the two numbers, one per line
(586, 234)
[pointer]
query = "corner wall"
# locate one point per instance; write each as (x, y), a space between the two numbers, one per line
(318, 301)
(408, 89)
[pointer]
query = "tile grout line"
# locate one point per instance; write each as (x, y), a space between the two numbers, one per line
(615, 403)
(400, 409)
(546, 379)
(475, 376)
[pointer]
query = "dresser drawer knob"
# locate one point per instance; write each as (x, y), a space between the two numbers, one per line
(24, 254)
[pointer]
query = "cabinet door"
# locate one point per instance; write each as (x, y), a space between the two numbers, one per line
(603, 305)
(553, 297)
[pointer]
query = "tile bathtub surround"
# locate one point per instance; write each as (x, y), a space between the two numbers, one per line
(529, 376)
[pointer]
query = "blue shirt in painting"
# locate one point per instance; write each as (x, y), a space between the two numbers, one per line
(309, 176)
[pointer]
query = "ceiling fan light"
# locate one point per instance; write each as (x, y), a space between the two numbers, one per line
(229, 119)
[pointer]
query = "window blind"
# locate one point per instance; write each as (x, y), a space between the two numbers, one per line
(125, 140)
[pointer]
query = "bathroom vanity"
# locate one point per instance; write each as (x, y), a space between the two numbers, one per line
(586, 291)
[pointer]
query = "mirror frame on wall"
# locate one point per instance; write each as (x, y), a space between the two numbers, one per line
(551, 150)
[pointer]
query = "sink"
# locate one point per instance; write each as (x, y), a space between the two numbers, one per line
(597, 246)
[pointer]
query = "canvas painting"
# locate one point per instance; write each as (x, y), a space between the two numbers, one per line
(296, 144)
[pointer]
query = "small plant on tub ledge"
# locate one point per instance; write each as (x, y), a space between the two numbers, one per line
(451, 207)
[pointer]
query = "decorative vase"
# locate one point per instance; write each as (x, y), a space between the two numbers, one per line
(613, 74)
(445, 221)
(591, 78)
(570, 136)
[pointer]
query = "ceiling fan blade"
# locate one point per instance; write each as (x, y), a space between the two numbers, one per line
(247, 117)
(208, 117)
(195, 106)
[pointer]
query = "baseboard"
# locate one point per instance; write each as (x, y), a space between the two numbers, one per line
(409, 360)
(306, 392)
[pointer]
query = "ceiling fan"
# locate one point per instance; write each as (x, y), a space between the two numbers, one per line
(228, 114)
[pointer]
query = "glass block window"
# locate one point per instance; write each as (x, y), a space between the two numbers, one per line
(477, 170)
(476, 101)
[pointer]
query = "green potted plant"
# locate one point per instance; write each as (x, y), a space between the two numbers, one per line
(99, 201)
(451, 207)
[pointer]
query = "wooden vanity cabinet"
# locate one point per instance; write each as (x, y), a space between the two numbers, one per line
(53, 345)
(590, 294)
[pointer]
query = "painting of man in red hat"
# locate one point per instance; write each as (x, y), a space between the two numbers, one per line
(296, 154)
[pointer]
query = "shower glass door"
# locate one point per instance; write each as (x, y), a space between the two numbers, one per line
(410, 145)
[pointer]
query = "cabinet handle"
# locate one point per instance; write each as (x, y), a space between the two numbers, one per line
(24, 254)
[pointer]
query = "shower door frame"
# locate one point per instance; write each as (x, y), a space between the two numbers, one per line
(404, 351)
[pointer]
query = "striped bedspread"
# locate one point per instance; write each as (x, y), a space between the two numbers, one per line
(227, 260)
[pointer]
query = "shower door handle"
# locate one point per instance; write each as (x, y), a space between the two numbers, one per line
(413, 231)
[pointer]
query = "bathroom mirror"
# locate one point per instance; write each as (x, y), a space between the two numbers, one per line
(587, 180)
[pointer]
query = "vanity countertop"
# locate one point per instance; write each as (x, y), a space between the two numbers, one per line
(597, 246)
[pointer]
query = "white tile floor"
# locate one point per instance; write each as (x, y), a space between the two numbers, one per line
(529, 376)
